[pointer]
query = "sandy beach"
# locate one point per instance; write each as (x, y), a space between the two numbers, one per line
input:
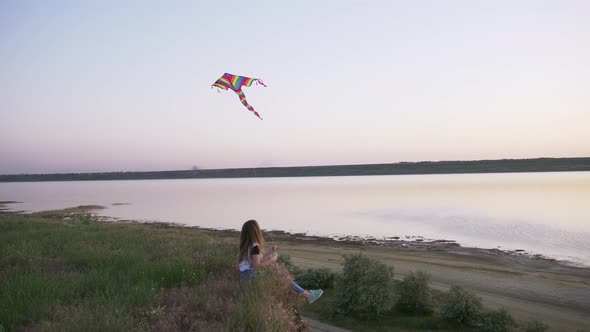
(527, 287)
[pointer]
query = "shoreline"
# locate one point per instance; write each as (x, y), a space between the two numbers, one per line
(449, 247)
(409, 243)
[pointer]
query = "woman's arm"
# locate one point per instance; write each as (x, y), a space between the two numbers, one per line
(271, 250)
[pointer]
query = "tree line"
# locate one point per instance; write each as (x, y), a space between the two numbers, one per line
(422, 167)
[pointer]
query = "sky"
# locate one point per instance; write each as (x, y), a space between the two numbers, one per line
(98, 86)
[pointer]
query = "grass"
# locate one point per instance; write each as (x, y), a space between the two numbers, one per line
(78, 274)
(65, 271)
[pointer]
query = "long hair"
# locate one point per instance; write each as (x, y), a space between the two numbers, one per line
(250, 233)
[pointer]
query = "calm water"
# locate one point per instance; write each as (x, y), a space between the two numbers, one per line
(547, 213)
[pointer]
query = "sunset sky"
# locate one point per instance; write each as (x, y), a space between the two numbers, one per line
(91, 86)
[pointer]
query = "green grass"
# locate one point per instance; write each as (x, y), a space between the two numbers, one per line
(68, 275)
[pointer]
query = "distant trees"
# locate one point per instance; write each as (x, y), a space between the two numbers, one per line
(424, 167)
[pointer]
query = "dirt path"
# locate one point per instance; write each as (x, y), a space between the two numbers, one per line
(528, 288)
(317, 326)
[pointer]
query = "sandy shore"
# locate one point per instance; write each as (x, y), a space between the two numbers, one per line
(528, 286)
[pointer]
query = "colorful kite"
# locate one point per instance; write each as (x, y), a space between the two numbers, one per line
(235, 82)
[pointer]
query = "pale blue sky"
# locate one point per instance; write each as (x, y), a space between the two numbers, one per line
(100, 86)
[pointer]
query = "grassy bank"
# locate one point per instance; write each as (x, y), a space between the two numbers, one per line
(65, 271)
(83, 274)
(80, 274)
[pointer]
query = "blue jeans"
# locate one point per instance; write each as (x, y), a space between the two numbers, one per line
(251, 274)
(296, 287)
(248, 274)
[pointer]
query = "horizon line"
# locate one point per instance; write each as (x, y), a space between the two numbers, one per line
(296, 166)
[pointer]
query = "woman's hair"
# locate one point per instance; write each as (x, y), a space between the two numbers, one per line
(250, 233)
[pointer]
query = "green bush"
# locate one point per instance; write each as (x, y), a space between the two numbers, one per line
(496, 321)
(534, 325)
(462, 306)
(316, 278)
(287, 263)
(414, 293)
(365, 285)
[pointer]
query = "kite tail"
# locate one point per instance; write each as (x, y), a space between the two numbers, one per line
(259, 81)
(245, 102)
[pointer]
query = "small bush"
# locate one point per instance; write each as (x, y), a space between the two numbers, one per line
(365, 285)
(496, 321)
(287, 263)
(535, 325)
(414, 293)
(316, 278)
(462, 306)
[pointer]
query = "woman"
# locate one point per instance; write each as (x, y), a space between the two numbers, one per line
(252, 258)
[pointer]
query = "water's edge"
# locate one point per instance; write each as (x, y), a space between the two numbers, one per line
(413, 243)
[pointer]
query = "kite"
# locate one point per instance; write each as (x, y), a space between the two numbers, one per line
(235, 82)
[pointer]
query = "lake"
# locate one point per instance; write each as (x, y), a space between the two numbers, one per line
(545, 213)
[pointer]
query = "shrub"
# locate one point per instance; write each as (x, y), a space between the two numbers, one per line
(496, 321)
(365, 285)
(461, 306)
(316, 278)
(534, 325)
(285, 261)
(414, 293)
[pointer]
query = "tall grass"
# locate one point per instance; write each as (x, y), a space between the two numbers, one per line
(80, 274)
(268, 303)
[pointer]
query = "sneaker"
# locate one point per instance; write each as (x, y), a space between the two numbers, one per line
(314, 295)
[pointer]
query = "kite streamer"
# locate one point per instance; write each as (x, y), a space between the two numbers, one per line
(235, 82)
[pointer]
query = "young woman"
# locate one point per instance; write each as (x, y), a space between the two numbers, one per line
(252, 257)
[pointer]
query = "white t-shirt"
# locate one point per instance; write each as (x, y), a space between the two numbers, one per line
(246, 263)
